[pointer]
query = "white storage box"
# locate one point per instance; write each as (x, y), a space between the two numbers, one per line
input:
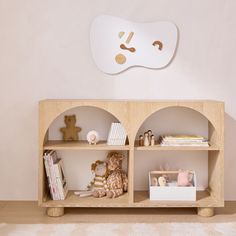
(171, 193)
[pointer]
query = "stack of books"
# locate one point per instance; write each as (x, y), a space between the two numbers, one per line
(117, 135)
(55, 175)
(183, 140)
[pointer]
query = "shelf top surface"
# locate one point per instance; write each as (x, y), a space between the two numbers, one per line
(81, 145)
(134, 100)
(177, 148)
(141, 199)
(102, 145)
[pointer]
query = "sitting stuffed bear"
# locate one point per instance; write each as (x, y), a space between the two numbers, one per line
(70, 132)
(117, 181)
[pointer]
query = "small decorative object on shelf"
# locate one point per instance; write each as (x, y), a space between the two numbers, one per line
(154, 181)
(152, 140)
(146, 139)
(141, 141)
(85, 193)
(70, 132)
(117, 134)
(93, 137)
(162, 181)
(180, 187)
(165, 168)
(185, 178)
(149, 136)
(98, 185)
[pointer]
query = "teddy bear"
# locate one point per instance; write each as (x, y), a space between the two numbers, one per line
(97, 185)
(70, 132)
(117, 180)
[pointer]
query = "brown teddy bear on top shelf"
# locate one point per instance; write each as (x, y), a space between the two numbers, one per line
(70, 132)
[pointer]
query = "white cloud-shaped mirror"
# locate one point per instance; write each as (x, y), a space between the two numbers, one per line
(118, 44)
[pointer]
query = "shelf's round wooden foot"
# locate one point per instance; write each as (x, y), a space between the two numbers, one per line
(205, 211)
(55, 211)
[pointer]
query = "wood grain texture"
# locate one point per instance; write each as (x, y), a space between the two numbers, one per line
(204, 199)
(28, 212)
(81, 145)
(73, 200)
(158, 147)
(55, 211)
(132, 114)
(205, 211)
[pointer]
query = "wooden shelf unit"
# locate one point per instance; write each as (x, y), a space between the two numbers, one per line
(132, 114)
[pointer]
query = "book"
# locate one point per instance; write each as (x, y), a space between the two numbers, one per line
(183, 140)
(49, 158)
(48, 176)
(60, 179)
(55, 174)
(117, 134)
(111, 134)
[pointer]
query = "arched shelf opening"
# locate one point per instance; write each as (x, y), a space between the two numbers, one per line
(87, 118)
(173, 120)
(78, 170)
(178, 120)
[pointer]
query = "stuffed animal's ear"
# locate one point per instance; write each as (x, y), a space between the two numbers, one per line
(98, 162)
(93, 166)
(121, 157)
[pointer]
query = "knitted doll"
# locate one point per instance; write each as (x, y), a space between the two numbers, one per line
(99, 181)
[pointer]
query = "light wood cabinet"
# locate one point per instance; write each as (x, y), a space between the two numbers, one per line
(132, 114)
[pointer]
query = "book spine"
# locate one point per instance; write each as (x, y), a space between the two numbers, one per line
(114, 140)
(123, 135)
(109, 142)
(53, 176)
(53, 189)
(117, 134)
(48, 176)
(59, 184)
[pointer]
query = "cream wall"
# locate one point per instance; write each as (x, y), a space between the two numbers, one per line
(44, 53)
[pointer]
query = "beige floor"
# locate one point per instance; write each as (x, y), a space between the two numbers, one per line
(30, 213)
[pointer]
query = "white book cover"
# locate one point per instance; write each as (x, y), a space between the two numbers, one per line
(52, 184)
(48, 176)
(123, 135)
(111, 133)
(119, 136)
(61, 179)
(52, 158)
(115, 134)
(52, 187)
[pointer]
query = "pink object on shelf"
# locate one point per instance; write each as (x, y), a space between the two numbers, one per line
(184, 178)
